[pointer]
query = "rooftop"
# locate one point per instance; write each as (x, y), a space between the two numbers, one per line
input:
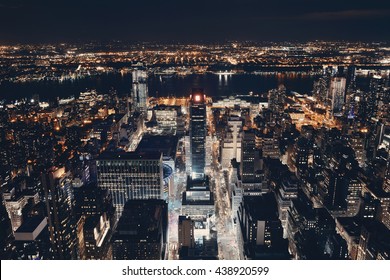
(262, 208)
(159, 143)
(130, 156)
(142, 220)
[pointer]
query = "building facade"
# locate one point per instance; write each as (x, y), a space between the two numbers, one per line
(134, 175)
(198, 133)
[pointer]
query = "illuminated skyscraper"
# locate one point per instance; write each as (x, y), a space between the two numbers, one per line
(140, 90)
(337, 95)
(377, 100)
(198, 132)
(60, 218)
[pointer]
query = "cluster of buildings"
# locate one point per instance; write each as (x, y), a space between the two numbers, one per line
(327, 181)
(278, 175)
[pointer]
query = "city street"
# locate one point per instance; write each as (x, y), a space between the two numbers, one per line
(227, 241)
(174, 209)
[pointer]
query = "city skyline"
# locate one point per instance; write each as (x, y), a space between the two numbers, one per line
(253, 176)
(195, 130)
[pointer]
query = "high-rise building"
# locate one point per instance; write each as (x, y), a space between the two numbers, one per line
(341, 186)
(252, 175)
(95, 217)
(377, 99)
(90, 200)
(5, 234)
(370, 207)
(320, 90)
(168, 120)
(15, 200)
(276, 100)
(186, 232)
(198, 133)
(357, 141)
(386, 182)
(134, 175)
(337, 95)
(60, 216)
(287, 192)
(19, 193)
(93, 236)
(248, 156)
(374, 242)
(139, 93)
(141, 233)
(269, 144)
(231, 145)
(301, 156)
(261, 228)
(32, 240)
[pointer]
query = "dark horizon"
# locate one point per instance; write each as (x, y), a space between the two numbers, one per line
(118, 42)
(191, 21)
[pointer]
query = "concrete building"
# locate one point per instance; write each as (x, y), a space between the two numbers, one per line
(261, 228)
(133, 175)
(186, 232)
(141, 233)
(198, 200)
(139, 93)
(61, 220)
(231, 144)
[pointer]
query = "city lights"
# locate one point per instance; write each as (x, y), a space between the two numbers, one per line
(252, 151)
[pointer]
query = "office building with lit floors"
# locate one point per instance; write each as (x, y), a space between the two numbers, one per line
(374, 242)
(93, 235)
(60, 215)
(312, 232)
(337, 95)
(129, 176)
(141, 233)
(198, 133)
(341, 186)
(248, 157)
(261, 228)
(251, 166)
(139, 94)
(95, 217)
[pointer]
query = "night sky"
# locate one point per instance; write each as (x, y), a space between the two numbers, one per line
(192, 21)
